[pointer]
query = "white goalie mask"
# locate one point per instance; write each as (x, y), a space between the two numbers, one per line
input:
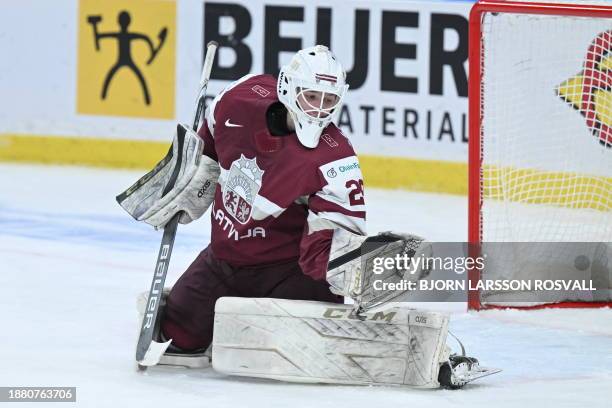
(312, 87)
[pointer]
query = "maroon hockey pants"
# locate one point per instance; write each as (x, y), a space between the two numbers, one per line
(189, 313)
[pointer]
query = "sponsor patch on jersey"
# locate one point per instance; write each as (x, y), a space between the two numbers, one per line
(332, 173)
(329, 140)
(349, 167)
(243, 184)
(261, 91)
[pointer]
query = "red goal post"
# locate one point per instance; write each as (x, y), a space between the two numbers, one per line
(497, 189)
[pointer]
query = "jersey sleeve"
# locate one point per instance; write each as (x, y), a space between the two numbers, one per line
(211, 115)
(340, 203)
(209, 142)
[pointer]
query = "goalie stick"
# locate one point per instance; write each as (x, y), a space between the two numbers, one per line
(147, 349)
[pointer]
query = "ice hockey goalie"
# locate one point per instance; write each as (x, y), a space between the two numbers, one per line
(288, 244)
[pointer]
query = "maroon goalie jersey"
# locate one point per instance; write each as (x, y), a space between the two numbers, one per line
(277, 200)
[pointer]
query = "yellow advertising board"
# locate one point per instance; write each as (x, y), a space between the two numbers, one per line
(126, 58)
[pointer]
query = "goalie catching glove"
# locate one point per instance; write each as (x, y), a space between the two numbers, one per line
(359, 266)
(183, 181)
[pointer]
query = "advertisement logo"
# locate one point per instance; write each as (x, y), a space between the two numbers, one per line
(350, 167)
(590, 91)
(126, 58)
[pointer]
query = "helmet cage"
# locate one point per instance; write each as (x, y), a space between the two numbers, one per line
(306, 100)
(322, 112)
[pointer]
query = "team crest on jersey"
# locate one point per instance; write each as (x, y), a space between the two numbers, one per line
(243, 184)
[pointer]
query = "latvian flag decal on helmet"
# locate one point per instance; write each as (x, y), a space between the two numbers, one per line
(324, 77)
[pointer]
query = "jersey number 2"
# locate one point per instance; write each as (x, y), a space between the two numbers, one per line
(356, 193)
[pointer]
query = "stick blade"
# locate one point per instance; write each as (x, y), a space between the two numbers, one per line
(152, 355)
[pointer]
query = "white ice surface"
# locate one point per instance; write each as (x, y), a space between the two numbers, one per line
(72, 264)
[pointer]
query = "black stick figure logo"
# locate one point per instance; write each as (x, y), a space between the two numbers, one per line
(124, 40)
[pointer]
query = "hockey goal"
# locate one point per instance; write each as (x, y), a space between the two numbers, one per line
(540, 150)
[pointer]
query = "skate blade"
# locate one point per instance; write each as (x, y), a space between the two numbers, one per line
(477, 373)
(200, 360)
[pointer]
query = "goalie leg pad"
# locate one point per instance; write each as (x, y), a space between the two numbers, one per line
(318, 342)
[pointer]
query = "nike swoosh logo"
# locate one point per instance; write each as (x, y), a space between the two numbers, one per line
(229, 124)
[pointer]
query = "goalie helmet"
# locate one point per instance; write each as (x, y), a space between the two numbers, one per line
(312, 87)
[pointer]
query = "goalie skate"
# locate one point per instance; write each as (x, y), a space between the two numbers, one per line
(162, 352)
(460, 370)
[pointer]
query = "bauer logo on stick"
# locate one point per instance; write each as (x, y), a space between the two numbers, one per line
(243, 184)
(590, 92)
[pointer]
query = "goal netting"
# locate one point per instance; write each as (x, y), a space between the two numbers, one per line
(541, 147)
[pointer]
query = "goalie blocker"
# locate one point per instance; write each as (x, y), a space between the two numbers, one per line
(184, 180)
